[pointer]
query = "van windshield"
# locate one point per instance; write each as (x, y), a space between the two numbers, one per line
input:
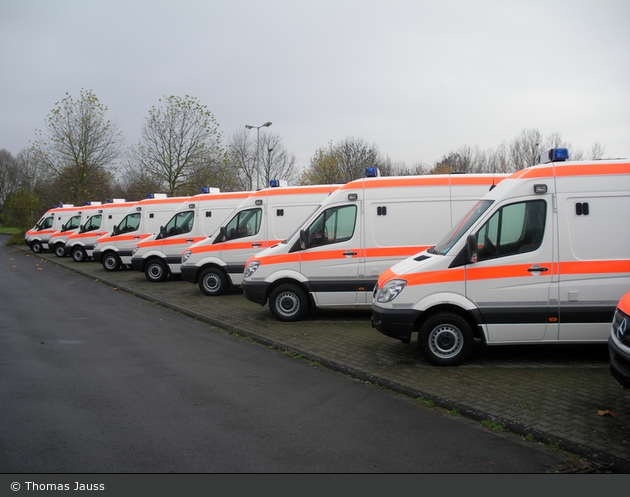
(460, 228)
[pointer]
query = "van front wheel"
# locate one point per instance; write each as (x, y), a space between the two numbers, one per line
(288, 303)
(156, 271)
(60, 250)
(212, 281)
(111, 262)
(445, 339)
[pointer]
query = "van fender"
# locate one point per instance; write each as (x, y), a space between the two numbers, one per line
(444, 298)
(286, 274)
(453, 300)
(214, 261)
(152, 253)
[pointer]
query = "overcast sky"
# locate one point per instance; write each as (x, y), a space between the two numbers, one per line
(416, 78)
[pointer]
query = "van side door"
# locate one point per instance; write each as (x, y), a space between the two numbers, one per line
(333, 254)
(512, 282)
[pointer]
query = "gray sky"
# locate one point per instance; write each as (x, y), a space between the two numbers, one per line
(416, 78)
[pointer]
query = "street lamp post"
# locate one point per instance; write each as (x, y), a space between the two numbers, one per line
(266, 125)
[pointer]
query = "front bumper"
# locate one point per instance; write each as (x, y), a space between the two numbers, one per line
(137, 263)
(395, 323)
(189, 273)
(256, 292)
(619, 363)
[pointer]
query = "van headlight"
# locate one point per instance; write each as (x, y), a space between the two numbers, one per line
(251, 268)
(390, 290)
(186, 255)
(134, 250)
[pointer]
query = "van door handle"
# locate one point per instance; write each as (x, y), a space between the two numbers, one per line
(348, 253)
(537, 269)
(189, 240)
(256, 244)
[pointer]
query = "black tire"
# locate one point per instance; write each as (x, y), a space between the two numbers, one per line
(445, 339)
(60, 250)
(79, 254)
(37, 247)
(156, 270)
(111, 262)
(288, 302)
(213, 281)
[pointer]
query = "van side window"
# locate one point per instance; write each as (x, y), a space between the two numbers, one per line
(180, 223)
(93, 223)
(334, 225)
(130, 223)
(245, 223)
(47, 223)
(73, 223)
(513, 229)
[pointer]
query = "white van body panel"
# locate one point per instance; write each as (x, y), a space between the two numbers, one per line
(38, 237)
(194, 220)
(557, 283)
(370, 224)
(153, 213)
(110, 214)
(262, 220)
(58, 239)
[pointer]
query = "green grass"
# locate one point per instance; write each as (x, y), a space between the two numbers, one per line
(9, 231)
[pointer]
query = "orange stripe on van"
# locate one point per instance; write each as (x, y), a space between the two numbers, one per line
(591, 169)
(594, 267)
(233, 246)
(624, 303)
(475, 273)
(428, 180)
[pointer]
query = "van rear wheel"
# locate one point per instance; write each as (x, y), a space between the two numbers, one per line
(445, 339)
(212, 281)
(288, 303)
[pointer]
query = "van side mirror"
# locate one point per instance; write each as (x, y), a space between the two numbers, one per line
(223, 234)
(115, 230)
(161, 233)
(82, 228)
(303, 239)
(471, 248)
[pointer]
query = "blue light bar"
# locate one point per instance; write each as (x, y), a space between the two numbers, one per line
(554, 155)
(207, 189)
(372, 172)
(275, 183)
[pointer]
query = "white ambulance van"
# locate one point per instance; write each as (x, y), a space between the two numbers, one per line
(619, 343)
(113, 250)
(264, 219)
(360, 230)
(58, 239)
(195, 219)
(542, 258)
(37, 237)
(81, 243)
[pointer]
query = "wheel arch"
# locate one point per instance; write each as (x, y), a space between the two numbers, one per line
(291, 281)
(467, 314)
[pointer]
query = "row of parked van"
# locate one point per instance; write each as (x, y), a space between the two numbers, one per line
(539, 256)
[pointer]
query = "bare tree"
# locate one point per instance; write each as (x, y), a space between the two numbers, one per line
(276, 162)
(180, 146)
(341, 163)
(79, 147)
(267, 155)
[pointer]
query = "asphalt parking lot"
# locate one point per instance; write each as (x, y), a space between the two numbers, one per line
(559, 395)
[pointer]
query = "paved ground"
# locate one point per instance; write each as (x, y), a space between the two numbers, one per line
(560, 395)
